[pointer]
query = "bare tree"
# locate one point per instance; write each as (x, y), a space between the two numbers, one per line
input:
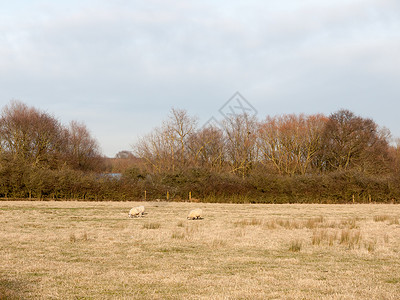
(167, 148)
(207, 148)
(290, 142)
(240, 134)
(83, 150)
(180, 126)
(154, 151)
(31, 135)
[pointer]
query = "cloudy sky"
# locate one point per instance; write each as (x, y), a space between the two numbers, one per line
(120, 66)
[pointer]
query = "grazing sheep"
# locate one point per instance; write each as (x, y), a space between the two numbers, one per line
(195, 214)
(136, 212)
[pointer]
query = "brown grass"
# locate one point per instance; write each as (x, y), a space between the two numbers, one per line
(295, 245)
(70, 250)
(152, 225)
(392, 220)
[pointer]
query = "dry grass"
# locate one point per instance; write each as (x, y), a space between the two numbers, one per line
(392, 220)
(70, 250)
(152, 225)
(295, 245)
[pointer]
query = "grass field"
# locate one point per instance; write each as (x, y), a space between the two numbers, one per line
(92, 250)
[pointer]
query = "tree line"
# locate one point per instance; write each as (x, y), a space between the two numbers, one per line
(40, 157)
(292, 158)
(288, 158)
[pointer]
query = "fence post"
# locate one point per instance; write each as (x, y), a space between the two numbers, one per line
(190, 196)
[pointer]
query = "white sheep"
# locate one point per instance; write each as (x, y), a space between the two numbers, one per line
(136, 212)
(195, 214)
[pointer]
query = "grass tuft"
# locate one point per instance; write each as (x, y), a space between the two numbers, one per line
(217, 243)
(295, 245)
(386, 238)
(392, 220)
(271, 224)
(319, 236)
(381, 218)
(178, 235)
(349, 223)
(350, 238)
(314, 222)
(370, 245)
(72, 238)
(152, 225)
(252, 222)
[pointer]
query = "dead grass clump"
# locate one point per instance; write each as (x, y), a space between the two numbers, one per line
(314, 222)
(152, 225)
(72, 238)
(345, 236)
(84, 236)
(252, 222)
(310, 223)
(386, 238)
(392, 220)
(180, 224)
(178, 235)
(370, 245)
(271, 224)
(75, 238)
(331, 239)
(295, 245)
(382, 218)
(323, 236)
(319, 236)
(240, 233)
(349, 223)
(289, 224)
(295, 224)
(282, 223)
(350, 238)
(217, 243)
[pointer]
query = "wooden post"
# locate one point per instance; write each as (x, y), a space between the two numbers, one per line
(145, 195)
(167, 196)
(369, 198)
(190, 196)
(353, 199)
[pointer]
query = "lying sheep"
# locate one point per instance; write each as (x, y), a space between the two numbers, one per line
(136, 212)
(195, 214)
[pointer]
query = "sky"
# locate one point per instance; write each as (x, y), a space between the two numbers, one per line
(120, 66)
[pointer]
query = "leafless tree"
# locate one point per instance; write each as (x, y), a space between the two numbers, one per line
(207, 148)
(240, 133)
(83, 150)
(31, 135)
(290, 142)
(167, 148)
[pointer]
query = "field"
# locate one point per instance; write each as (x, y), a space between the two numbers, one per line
(92, 250)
